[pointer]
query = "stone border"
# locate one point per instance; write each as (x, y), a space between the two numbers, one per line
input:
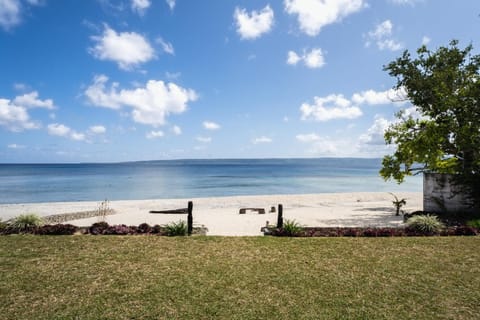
(64, 217)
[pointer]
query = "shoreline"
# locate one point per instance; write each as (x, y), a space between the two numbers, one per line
(221, 214)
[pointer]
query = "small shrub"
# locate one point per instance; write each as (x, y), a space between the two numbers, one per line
(119, 229)
(176, 228)
(291, 228)
(25, 223)
(474, 223)
(3, 226)
(98, 228)
(144, 228)
(57, 229)
(369, 232)
(351, 232)
(424, 224)
(465, 231)
(156, 229)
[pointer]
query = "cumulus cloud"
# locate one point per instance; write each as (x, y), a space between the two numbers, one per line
(61, 130)
(405, 2)
(425, 40)
(97, 129)
(252, 25)
(373, 97)
(149, 105)
(313, 15)
(171, 4)
(204, 139)
(262, 139)
(167, 47)
(140, 6)
(14, 114)
(330, 107)
(382, 37)
(310, 137)
(127, 49)
(30, 100)
(154, 134)
(15, 146)
(10, 11)
(209, 125)
(374, 134)
(336, 106)
(177, 130)
(312, 59)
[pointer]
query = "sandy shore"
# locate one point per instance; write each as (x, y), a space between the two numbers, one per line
(221, 214)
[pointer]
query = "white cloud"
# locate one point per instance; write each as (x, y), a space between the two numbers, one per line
(204, 139)
(140, 6)
(372, 97)
(209, 125)
(426, 40)
(329, 108)
(252, 25)
(177, 130)
(312, 59)
(293, 58)
(375, 134)
(127, 49)
(61, 130)
(405, 2)
(57, 129)
(154, 134)
(97, 129)
(150, 104)
(16, 146)
(171, 4)
(310, 137)
(262, 139)
(313, 15)
(382, 37)
(167, 47)
(30, 100)
(10, 11)
(15, 118)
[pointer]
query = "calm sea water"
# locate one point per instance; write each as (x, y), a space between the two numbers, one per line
(24, 183)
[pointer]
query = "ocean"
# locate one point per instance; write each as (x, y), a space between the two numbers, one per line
(27, 183)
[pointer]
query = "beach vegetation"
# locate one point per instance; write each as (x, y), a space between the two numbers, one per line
(144, 228)
(56, 229)
(425, 224)
(441, 133)
(25, 223)
(103, 210)
(98, 228)
(178, 228)
(138, 277)
(291, 228)
(398, 204)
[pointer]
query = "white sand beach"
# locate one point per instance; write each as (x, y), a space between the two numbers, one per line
(221, 214)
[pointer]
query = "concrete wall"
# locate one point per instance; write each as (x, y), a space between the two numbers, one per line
(440, 194)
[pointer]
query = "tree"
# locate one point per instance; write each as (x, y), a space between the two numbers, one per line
(444, 88)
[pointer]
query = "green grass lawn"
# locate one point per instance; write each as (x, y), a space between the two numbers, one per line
(150, 277)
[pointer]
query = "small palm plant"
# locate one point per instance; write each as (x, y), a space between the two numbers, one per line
(176, 228)
(292, 228)
(398, 204)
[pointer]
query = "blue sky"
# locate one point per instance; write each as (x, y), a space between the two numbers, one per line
(127, 80)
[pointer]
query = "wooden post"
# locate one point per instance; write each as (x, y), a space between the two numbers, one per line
(189, 218)
(280, 216)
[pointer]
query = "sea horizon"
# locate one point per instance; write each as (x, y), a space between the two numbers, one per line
(192, 178)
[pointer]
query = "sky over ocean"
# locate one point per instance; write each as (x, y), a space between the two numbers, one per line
(129, 80)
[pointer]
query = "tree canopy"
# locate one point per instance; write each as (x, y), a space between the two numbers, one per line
(444, 137)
